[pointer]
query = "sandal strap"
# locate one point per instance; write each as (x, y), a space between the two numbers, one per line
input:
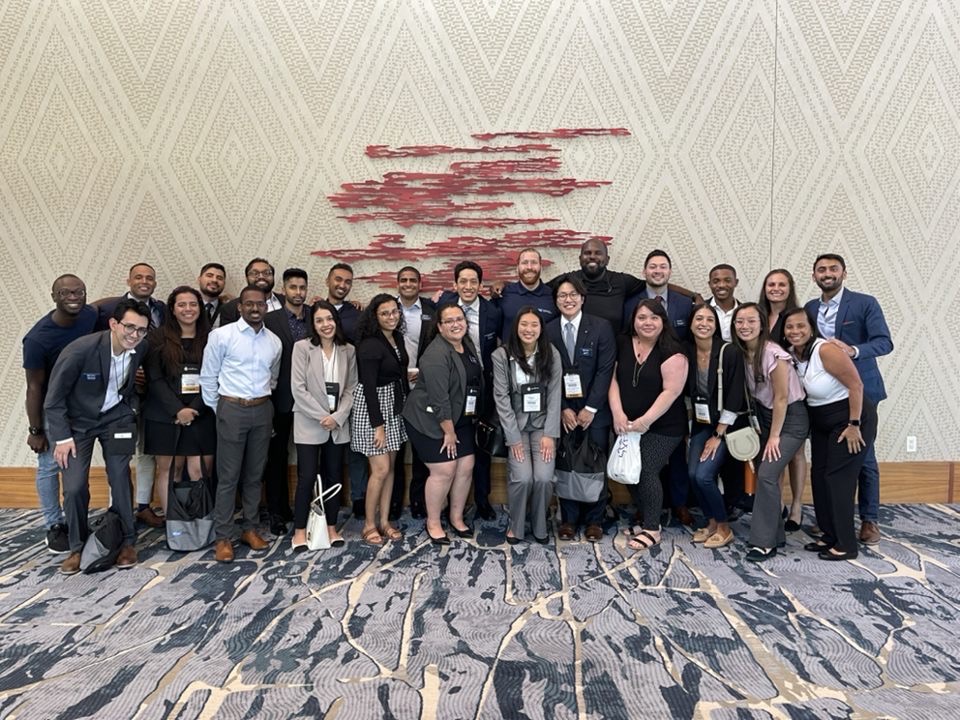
(645, 540)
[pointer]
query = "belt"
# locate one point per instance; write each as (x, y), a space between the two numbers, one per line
(243, 402)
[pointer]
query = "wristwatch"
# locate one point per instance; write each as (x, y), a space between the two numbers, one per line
(718, 435)
(854, 423)
(35, 430)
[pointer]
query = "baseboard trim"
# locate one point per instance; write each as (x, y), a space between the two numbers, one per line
(907, 482)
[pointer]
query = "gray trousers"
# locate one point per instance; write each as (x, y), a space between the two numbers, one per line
(243, 438)
(766, 527)
(529, 486)
(76, 478)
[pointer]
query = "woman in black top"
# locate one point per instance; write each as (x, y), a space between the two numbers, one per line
(440, 414)
(178, 426)
(376, 428)
(712, 364)
(645, 396)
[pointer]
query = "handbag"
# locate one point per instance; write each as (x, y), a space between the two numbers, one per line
(742, 444)
(102, 546)
(488, 434)
(580, 468)
(318, 538)
(189, 525)
(624, 463)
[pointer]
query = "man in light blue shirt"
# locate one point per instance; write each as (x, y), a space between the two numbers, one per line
(241, 365)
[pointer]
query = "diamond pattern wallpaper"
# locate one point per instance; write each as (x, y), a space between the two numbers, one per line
(761, 132)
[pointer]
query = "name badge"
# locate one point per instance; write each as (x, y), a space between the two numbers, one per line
(333, 395)
(91, 376)
(190, 380)
(470, 402)
(123, 436)
(701, 411)
(572, 387)
(532, 398)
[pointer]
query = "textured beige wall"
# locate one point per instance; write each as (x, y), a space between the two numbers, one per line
(179, 132)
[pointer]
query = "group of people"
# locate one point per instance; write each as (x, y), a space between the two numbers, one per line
(214, 388)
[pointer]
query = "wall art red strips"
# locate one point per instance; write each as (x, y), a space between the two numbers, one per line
(459, 198)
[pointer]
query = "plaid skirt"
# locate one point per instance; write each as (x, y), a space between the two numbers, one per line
(361, 433)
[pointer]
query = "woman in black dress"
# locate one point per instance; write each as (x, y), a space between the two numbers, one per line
(646, 396)
(178, 426)
(376, 428)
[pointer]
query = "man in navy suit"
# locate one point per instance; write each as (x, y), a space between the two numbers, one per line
(587, 347)
(290, 324)
(657, 269)
(855, 322)
(91, 397)
(483, 325)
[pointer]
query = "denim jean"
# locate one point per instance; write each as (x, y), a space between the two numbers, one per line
(704, 474)
(48, 487)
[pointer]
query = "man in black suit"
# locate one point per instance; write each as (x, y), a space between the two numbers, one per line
(259, 273)
(418, 315)
(91, 397)
(483, 325)
(588, 349)
(339, 285)
(211, 282)
(290, 324)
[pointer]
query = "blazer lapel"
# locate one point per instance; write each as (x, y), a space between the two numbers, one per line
(841, 314)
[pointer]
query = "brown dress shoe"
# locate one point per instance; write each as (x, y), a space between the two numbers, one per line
(253, 539)
(566, 532)
(683, 515)
(70, 566)
(223, 551)
(127, 557)
(593, 533)
(869, 533)
(148, 517)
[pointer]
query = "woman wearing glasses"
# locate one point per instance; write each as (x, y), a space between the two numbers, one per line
(178, 427)
(376, 428)
(439, 417)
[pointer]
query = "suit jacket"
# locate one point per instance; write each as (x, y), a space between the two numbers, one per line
(106, 306)
(349, 316)
(309, 386)
(489, 323)
(277, 323)
(78, 386)
(596, 354)
(734, 392)
(679, 308)
(860, 323)
(164, 399)
(506, 395)
(428, 316)
(441, 389)
(230, 311)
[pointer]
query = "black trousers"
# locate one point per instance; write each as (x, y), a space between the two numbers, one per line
(834, 470)
(275, 473)
(328, 459)
(418, 480)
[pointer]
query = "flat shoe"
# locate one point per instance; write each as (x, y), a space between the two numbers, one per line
(298, 547)
(566, 532)
(543, 540)
(339, 542)
(827, 555)
(593, 533)
(718, 541)
(759, 555)
(702, 534)
(511, 540)
(816, 547)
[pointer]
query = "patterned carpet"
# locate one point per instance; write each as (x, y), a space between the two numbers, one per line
(482, 629)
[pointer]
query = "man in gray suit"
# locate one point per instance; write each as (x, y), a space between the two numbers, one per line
(91, 397)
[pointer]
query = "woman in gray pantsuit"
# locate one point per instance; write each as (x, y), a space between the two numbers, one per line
(526, 389)
(778, 401)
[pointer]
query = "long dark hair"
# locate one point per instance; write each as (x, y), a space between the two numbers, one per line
(697, 307)
(762, 340)
(667, 343)
(168, 339)
(514, 347)
(803, 353)
(338, 337)
(791, 295)
(368, 325)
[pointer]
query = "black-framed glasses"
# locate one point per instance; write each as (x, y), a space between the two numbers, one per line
(63, 293)
(131, 329)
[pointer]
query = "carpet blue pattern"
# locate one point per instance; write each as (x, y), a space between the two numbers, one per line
(485, 630)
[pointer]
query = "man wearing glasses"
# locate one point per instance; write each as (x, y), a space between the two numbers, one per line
(241, 366)
(259, 273)
(70, 319)
(91, 397)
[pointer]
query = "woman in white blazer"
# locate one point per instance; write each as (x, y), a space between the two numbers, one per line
(323, 375)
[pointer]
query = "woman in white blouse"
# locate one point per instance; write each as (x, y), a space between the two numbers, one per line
(843, 423)
(323, 375)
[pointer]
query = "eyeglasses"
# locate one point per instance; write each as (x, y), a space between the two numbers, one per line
(253, 304)
(260, 273)
(388, 313)
(68, 293)
(454, 321)
(131, 329)
(568, 295)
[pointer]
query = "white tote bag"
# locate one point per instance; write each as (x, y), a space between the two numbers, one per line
(623, 465)
(317, 536)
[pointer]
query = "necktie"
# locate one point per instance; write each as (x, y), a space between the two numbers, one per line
(660, 299)
(209, 307)
(569, 341)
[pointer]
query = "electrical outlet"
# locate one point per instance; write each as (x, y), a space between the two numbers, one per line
(911, 443)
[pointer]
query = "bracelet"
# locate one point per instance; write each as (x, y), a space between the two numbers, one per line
(36, 431)
(718, 435)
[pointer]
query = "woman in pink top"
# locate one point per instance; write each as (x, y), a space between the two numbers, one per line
(777, 400)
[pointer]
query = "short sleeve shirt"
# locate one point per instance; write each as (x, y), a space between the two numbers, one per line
(45, 340)
(763, 392)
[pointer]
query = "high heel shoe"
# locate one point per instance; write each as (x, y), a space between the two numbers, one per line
(442, 540)
(467, 532)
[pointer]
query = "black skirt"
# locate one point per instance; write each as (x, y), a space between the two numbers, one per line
(428, 448)
(197, 438)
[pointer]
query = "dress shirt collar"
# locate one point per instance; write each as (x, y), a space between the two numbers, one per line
(834, 301)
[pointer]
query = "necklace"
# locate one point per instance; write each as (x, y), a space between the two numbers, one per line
(638, 366)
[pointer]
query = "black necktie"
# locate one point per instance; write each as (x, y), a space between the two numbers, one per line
(209, 307)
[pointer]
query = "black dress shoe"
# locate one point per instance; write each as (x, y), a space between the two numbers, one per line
(791, 526)
(816, 547)
(543, 540)
(278, 525)
(486, 512)
(512, 540)
(827, 555)
(442, 540)
(465, 533)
